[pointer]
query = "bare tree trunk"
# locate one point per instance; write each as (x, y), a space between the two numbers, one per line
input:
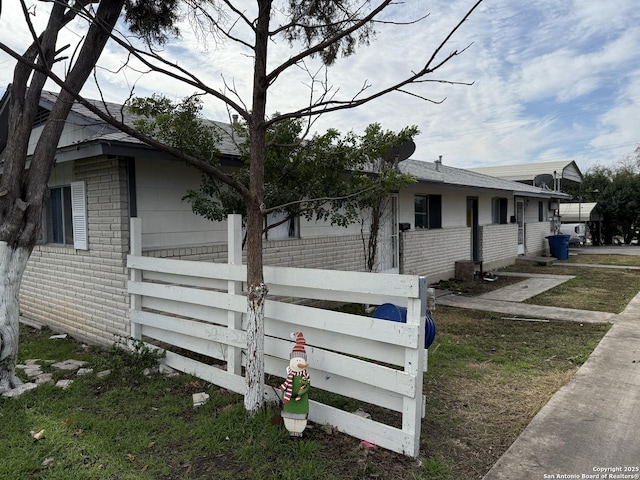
(13, 261)
(23, 191)
(254, 373)
(372, 245)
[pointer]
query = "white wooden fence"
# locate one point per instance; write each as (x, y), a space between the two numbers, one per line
(200, 307)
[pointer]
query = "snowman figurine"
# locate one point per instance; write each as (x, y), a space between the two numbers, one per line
(295, 389)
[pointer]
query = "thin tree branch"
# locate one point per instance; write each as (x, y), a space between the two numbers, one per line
(271, 77)
(336, 105)
(317, 200)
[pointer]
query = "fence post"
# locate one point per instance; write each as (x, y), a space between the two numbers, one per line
(234, 257)
(135, 240)
(413, 365)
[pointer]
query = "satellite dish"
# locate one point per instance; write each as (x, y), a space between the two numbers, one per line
(401, 152)
(543, 180)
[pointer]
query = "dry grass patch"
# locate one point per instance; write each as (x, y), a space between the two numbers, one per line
(490, 414)
(487, 379)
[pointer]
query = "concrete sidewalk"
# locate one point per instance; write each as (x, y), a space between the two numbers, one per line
(515, 309)
(507, 300)
(591, 427)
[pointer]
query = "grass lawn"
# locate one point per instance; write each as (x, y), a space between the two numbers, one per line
(593, 259)
(487, 378)
(594, 289)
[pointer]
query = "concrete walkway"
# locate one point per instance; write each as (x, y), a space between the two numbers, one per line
(507, 300)
(591, 427)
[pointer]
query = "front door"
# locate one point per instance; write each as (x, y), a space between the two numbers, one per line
(520, 222)
(388, 236)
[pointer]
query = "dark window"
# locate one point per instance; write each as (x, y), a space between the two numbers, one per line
(499, 210)
(428, 211)
(541, 211)
(41, 117)
(58, 216)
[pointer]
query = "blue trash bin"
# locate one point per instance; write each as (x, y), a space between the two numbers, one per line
(394, 313)
(559, 246)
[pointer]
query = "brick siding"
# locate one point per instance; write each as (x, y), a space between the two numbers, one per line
(535, 240)
(498, 245)
(83, 292)
(433, 253)
(333, 253)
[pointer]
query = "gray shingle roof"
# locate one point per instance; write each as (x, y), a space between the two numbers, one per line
(446, 175)
(102, 131)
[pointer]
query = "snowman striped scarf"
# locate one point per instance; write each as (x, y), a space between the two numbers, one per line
(287, 386)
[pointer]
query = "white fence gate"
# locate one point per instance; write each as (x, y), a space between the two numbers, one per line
(201, 307)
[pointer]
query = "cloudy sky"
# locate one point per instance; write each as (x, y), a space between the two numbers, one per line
(549, 80)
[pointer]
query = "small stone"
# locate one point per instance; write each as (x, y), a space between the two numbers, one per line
(33, 361)
(200, 399)
(69, 364)
(168, 371)
(103, 373)
(33, 371)
(44, 378)
(19, 390)
(84, 371)
(361, 413)
(60, 336)
(64, 384)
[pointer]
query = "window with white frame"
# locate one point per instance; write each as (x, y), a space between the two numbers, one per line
(428, 211)
(65, 216)
(499, 210)
(58, 216)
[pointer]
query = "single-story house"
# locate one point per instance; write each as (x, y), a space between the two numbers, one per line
(76, 278)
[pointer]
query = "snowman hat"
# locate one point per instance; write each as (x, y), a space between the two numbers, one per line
(298, 350)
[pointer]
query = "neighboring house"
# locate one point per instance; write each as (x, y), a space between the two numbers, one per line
(76, 279)
(552, 175)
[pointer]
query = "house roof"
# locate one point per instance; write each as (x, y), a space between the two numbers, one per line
(98, 137)
(106, 132)
(579, 212)
(431, 172)
(566, 171)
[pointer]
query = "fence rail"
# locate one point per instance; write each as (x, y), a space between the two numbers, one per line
(200, 307)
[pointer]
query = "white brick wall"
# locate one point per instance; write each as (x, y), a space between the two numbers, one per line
(334, 253)
(498, 245)
(433, 253)
(83, 292)
(535, 241)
